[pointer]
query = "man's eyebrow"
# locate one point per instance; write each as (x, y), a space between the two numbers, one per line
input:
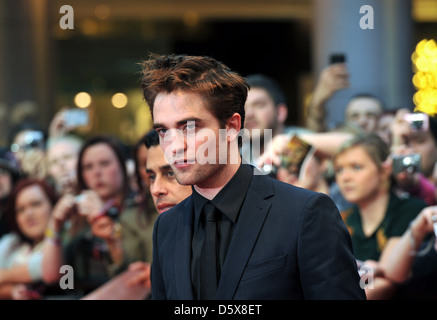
(179, 123)
(165, 167)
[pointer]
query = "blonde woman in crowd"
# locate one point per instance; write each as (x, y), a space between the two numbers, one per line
(378, 217)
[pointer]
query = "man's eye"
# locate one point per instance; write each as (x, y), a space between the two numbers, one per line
(170, 174)
(191, 125)
(161, 131)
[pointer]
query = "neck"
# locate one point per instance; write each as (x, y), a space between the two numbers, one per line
(210, 188)
(372, 212)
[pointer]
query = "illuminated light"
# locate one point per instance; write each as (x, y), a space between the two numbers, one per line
(430, 80)
(429, 47)
(424, 60)
(420, 47)
(191, 18)
(419, 80)
(89, 27)
(82, 99)
(102, 12)
(119, 100)
(414, 57)
(422, 63)
(417, 98)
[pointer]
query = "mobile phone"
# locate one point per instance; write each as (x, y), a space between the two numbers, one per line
(337, 58)
(295, 154)
(76, 117)
(406, 163)
(417, 121)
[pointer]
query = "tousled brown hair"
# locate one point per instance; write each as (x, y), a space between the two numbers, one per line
(224, 90)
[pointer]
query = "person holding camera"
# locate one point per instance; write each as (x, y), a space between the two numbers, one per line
(114, 236)
(414, 135)
(378, 217)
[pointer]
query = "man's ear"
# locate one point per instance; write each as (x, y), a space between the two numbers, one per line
(233, 127)
(281, 113)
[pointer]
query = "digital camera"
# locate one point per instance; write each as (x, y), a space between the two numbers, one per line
(406, 163)
(31, 140)
(417, 121)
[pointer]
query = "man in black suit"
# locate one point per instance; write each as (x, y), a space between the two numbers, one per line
(269, 240)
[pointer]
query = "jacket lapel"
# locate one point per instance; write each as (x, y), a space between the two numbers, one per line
(250, 222)
(183, 251)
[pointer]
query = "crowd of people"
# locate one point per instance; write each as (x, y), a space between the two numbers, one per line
(363, 193)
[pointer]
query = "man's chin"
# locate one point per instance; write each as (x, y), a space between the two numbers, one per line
(186, 178)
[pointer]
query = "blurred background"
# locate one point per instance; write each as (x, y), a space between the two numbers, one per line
(95, 64)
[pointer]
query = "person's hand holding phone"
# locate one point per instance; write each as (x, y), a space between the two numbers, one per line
(68, 119)
(333, 78)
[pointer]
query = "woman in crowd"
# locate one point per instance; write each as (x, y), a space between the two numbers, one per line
(378, 217)
(118, 233)
(28, 215)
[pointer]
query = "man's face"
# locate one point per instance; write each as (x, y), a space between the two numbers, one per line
(364, 112)
(62, 160)
(166, 191)
(189, 136)
(422, 142)
(260, 112)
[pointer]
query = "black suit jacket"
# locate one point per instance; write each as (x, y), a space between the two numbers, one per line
(289, 243)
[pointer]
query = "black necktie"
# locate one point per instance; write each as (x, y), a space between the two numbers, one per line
(208, 255)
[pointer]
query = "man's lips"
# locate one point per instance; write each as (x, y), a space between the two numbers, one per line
(183, 163)
(164, 207)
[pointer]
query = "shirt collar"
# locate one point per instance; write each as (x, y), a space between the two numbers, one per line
(231, 197)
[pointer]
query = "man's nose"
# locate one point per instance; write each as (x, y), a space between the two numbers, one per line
(178, 142)
(158, 187)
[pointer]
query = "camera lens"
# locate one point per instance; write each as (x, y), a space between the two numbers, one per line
(417, 124)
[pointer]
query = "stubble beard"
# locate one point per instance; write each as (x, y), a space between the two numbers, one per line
(197, 174)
